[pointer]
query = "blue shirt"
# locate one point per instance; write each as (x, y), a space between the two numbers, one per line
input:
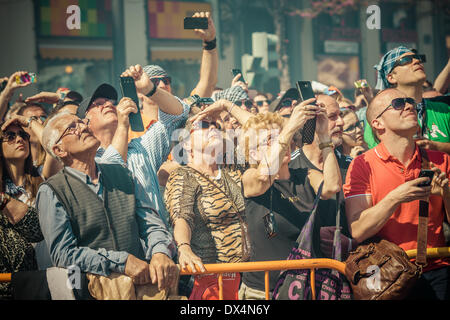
(147, 153)
(62, 243)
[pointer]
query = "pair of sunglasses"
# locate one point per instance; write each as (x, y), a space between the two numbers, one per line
(165, 80)
(286, 103)
(261, 103)
(398, 104)
(359, 124)
(247, 103)
(10, 136)
(409, 59)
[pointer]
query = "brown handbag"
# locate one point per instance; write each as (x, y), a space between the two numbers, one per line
(380, 270)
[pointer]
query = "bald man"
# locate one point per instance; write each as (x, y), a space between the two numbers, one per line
(382, 189)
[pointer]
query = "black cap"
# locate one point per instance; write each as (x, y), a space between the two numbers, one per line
(291, 93)
(75, 96)
(103, 91)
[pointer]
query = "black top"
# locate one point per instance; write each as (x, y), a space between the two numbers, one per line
(290, 219)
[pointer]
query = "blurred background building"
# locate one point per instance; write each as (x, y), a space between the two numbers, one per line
(334, 49)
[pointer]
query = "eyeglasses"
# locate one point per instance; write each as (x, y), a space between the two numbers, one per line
(73, 128)
(10, 136)
(353, 127)
(42, 118)
(261, 102)
(166, 80)
(247, 103)
(408, 59)
(398, 104)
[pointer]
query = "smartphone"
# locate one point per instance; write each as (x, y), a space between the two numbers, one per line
(28, 77)
(207, 101)
(306, 92)
(426, 173)
(129, 90)
(195, 23)
(359, 84)
(235, 72)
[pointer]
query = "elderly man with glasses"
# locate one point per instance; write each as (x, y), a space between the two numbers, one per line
(383, 189)
(403, 69)
(94, 214)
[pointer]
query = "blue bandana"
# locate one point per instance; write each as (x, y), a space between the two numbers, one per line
(386, 64)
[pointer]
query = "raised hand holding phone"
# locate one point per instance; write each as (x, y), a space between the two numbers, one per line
(129, 90)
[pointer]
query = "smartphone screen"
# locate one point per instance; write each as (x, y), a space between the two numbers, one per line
(129, 90)
(195, 23)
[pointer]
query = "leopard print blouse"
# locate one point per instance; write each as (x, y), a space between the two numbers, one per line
(215, 226)
(16, 251)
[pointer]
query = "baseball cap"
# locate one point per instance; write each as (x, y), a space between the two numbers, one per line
(103, 91)
(291, 93)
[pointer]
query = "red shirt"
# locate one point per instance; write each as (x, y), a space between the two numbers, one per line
(377, 173)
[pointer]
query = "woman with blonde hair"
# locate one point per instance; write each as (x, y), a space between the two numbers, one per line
(276, 208)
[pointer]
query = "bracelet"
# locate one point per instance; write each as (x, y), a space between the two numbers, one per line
(152, 92)
(183, 243)
(210, 45)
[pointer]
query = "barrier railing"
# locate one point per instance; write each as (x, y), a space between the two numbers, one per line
(266, 266)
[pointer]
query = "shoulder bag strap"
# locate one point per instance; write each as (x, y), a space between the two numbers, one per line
(422, 228)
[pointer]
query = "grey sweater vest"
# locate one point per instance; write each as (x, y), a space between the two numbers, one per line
(110, 224)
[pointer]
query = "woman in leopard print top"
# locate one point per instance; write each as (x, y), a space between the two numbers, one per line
(19, 223)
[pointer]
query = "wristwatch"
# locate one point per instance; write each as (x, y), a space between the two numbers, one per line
(152, 92)
(32, 118)
(327, 144)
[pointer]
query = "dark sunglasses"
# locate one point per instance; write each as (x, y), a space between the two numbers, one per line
(247, 103)
(286, 103)
(165, 80)
(408, 59)
(359, 124)
(398, 104)
(11, 135)
(261, 103)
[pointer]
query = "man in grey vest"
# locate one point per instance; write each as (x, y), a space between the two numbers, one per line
(93, 214)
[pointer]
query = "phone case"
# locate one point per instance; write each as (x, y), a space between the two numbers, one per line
(195, 23)
(129, 90)
(305, 92)
(236, 72)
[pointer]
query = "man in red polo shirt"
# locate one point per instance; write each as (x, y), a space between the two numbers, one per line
(382, 192)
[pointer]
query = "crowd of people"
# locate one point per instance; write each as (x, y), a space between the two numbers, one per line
(221, 180)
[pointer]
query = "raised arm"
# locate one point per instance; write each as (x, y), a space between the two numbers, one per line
(210, 58)
(443, 79)
(258, 180)
(166, 102)
(9, 90)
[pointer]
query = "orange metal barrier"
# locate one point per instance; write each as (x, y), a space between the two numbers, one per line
(267, 266)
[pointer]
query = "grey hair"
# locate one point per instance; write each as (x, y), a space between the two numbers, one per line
(50, 134)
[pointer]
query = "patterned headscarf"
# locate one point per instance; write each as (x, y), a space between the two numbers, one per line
(384, 67)
(155, 71)
(233, 94)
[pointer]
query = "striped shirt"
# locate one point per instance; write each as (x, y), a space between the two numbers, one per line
(147, 153)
